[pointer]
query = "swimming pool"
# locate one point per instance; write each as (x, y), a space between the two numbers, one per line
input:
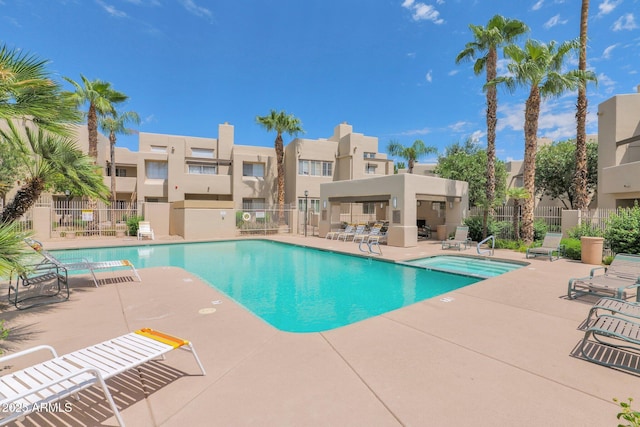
(292, 288)
(472, 266)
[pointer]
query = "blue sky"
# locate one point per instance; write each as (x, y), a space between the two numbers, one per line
(387, 67)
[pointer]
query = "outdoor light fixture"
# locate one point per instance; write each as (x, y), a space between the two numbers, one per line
(223, 214)
(324, 204)
(395, 202)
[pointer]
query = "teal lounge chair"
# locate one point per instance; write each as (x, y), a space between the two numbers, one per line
(550, 246)
(460, 239)
(614, 306)
(616, 280)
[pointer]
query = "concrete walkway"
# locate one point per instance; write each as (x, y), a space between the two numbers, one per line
(495, 353)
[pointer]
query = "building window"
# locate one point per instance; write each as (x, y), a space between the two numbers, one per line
(370, 168)
(518, 181)
(252, 204)
(369, 208)
(205, 153)
(368, 155)
(315, 168)
(253, 169)
(158, 149)
(119, 171)
(203, 169)
(156, 170)
(313, 206)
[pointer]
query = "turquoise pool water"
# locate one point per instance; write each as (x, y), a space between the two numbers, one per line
(292, 288)
(473, 266)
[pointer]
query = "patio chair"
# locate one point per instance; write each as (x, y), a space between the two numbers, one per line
(81, 264)
(622, 338)
(334, 234)
(351, 235)
(145, 230)
(617, 279)
(26, 390)
(460, 239)
(614, 306)
(550, 245)
(39, 284)
(364, 237)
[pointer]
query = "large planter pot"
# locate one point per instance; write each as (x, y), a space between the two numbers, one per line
(441, 232)
(591, 250)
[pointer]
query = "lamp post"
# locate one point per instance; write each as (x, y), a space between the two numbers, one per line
(306, 204)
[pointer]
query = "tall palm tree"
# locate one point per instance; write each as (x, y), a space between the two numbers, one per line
(48, 157)
(499, 32)
(410, 154)
(281, 122)
(580, 177)
(28, 92)
(116, 125)
(101, 98)
(538, 66)
(517, 194)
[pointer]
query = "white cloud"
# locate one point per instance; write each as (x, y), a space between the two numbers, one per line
(625, 22)
(555, 20)
(414, 132)
(111, 10)
(606, 54)
(429, 77)
(423, 12)
(193, 8)
(453, 72)
(411, 54)
(475, 136)
(607, 6)
(606, 82)
(459, 126)
(538, 5)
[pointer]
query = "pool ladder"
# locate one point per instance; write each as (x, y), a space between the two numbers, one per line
(487, 251)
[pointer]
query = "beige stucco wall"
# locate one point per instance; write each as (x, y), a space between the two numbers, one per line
(254, 187)
(618, 167)
(399, 194)
(158, 215)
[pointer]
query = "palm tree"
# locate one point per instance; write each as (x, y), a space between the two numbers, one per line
(487, 40)
(12, 250)
(538, 66)
(281, 122)
(116, 125)
(580, 177)
(101, 98)
(48, 158)
(27, 92)
(397, 166)
(410, 154)
(516, 194)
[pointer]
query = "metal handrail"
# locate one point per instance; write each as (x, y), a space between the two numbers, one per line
(489, 251)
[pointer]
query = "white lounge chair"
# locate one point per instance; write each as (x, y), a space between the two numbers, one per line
(334, 234)
(460, 239)
(550, 246)
(81, 264)
(24, 391)
(145, 230)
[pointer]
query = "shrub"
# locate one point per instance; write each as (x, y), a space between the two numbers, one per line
(607, 260)
(584, 229)
(623, 231)
(628, 414)
(475, 227)
(572, 248)
(539, 229)
(132, 224)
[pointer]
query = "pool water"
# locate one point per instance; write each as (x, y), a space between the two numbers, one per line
(292, 288)
(472, 266)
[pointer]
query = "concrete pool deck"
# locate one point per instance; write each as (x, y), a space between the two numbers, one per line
(499, 352)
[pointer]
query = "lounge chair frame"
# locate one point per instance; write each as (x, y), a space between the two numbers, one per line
(616, 280)
(550, 245)
(62, 376)
(460, 239)
(39, 284)
(145, 230)
(81, 264)
(616, 333)
(615, 307)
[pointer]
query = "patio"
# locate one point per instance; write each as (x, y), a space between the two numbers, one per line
(498, 352)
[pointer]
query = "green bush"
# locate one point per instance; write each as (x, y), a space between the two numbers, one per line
(628, 414)
(475, 227)
(132, 224)
(572, 248)
(623, 231)
(607, 260)
(539, 229)
(584, 229)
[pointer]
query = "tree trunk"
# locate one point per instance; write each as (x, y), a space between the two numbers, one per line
(580, 177)
(411, 162)
(492, 120)
(23, 200)
(280, 160)
(516, 227)
(92, 127)
(112, 166)
(532, 113)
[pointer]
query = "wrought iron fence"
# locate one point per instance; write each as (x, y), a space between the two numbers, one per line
(264, 220)
(503, 216)
(90, 217)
